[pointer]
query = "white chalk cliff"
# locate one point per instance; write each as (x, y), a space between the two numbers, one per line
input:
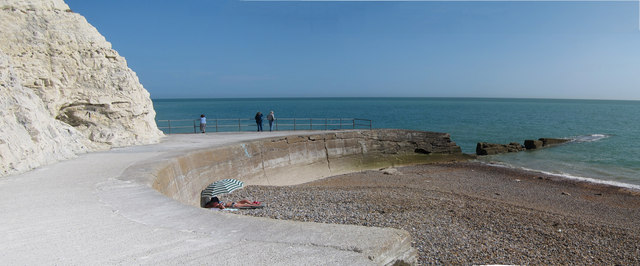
(63, 90)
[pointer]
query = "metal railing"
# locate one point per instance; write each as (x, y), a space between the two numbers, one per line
(247, 124)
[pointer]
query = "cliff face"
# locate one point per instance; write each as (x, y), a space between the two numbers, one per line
(63, 90)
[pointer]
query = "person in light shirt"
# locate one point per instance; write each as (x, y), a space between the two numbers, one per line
(203, 123)
(270, 118)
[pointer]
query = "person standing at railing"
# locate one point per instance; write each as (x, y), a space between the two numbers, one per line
(270, 118)
(203, 123)
(259, 120)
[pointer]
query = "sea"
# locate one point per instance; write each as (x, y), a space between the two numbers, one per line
(604, 134)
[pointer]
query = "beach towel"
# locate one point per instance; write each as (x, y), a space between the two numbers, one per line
(252, 207)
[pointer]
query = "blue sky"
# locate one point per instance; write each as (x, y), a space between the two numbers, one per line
(228, 48)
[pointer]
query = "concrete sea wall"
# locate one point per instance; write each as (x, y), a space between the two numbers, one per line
(295, 159)
(283, 160)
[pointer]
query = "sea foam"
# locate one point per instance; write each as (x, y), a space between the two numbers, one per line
(567, 176)
(590, 138)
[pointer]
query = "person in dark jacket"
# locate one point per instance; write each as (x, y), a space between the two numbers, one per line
(259, 120)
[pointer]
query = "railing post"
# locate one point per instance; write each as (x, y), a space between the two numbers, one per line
(216, 125)
(169, 121)
(294, 124)
(276, 124)
(370, 125)
(310, 124)
(194, 127)
(239, 128)
(326, 123)
(354, 123)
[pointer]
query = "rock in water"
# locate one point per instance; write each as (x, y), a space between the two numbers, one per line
(531, 144)
(483, 148)
(543, 142)
(63, 89)
(551, 141)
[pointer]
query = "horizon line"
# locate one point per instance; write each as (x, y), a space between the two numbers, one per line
(393, 97)
(438, 1)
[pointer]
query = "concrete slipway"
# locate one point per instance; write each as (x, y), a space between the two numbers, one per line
(81, 212)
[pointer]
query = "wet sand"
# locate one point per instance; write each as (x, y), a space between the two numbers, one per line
(471, 213)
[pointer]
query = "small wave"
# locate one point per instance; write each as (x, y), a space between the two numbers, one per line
(590, 138)
(569, 176)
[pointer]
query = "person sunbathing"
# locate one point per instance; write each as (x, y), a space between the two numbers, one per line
(245, 203)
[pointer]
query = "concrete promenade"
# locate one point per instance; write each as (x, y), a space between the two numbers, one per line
(79, 212)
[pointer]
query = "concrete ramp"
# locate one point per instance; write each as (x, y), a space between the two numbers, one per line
(101, 209)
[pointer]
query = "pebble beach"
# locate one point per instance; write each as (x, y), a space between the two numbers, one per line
(471, 213)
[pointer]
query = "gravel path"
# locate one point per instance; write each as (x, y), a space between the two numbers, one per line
(470, 213)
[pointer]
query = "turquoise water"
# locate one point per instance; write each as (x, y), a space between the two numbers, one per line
(606, 133)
